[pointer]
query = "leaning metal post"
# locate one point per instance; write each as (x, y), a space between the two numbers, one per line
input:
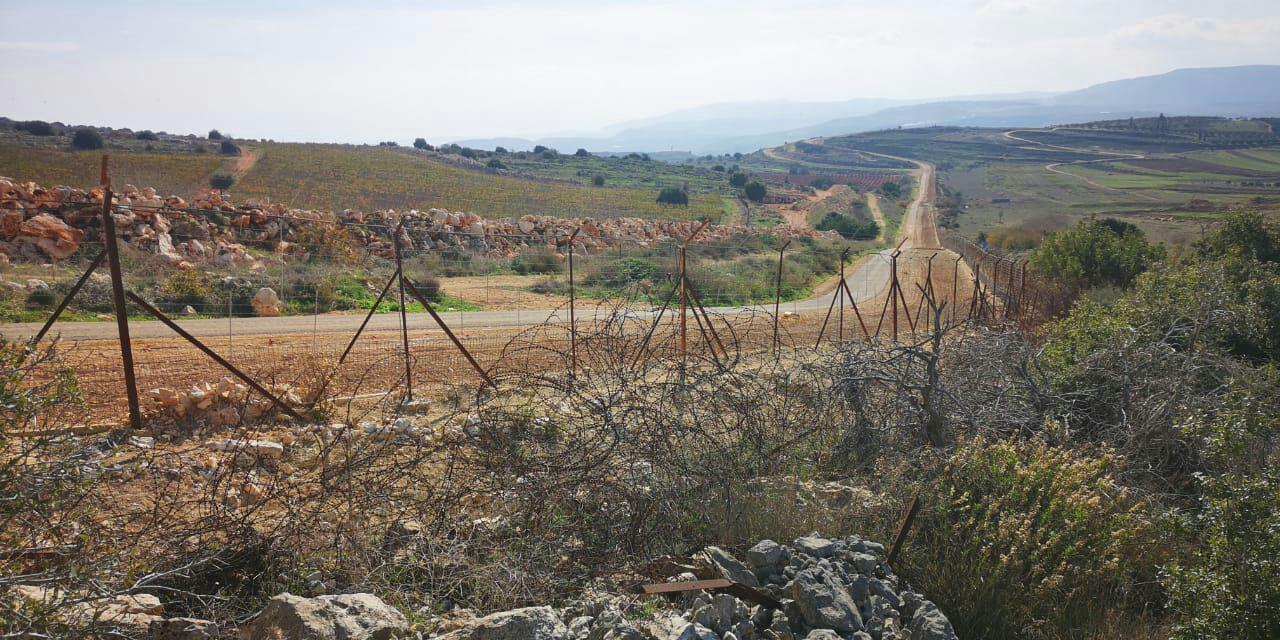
(118, 301)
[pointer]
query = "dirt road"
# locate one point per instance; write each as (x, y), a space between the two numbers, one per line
(1056, 167)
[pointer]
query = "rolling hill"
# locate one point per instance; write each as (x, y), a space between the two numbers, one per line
(743, 127)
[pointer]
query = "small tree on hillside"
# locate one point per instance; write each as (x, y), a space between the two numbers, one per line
(737, 180)
(673, 195)
(222, 181)
(86, 139)
(214, 135)
(598, 180)
(582, 153)
(420, 143)
(35, 127)
(755, 191)
(229, 148)
(146, 134)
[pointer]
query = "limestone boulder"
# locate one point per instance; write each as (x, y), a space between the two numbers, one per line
(349, 616)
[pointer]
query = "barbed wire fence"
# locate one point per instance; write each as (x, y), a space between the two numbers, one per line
(673, 294)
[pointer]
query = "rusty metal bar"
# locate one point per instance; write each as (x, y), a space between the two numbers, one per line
(684, 587)
(62, 306)
(904, 529)
(404, 317)
(955, 277)
(573, 321)
(699, 308)
(213, 354)
(684, 303)
(857, 313)
(369, 315)
(684, 296)
(835, 295)
(777, 296)
(894, 293)
(844, 255)
(457, 343)
(657, 318)
(718, 584)
(706, 338)
(118, 303)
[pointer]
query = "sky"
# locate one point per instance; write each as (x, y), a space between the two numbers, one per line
(371, 71)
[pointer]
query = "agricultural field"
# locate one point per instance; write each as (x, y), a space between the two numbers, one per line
(169, 173)
(326, 176)
(1169, 182)
(633, 171)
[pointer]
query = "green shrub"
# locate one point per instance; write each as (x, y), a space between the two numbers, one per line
(849, 227)
(537, 260)
(755, 191)
(597, 180)
(891, 190)
(188, 287)
(673, 195)
(822, 183)
(421, 143)
(1229, 588)
(87, 140)
(146, 134)
(495, 163)
(42, 298)
(1096, 253)
(1022, 540)
(550, 286)
(228, 148)
(582, 153)
(221, 181)
(214, 134)
(430, 288)
(737, 180)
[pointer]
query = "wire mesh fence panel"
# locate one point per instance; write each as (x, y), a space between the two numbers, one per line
(307, 303)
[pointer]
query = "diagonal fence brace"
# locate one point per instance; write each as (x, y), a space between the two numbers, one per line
(62, 306)
(440, 321)
(146, 306)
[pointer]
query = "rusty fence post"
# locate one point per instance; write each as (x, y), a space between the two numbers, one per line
(777, 298)
(955, 279)
(904, 529)
(404, 317)
(118, 301)
(573, 321)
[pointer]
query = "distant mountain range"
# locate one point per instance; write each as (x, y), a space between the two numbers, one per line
(746, 126)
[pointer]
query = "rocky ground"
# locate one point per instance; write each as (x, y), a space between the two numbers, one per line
(41, 224)
(814, 589)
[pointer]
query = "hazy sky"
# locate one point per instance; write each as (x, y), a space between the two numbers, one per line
(356, 71)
